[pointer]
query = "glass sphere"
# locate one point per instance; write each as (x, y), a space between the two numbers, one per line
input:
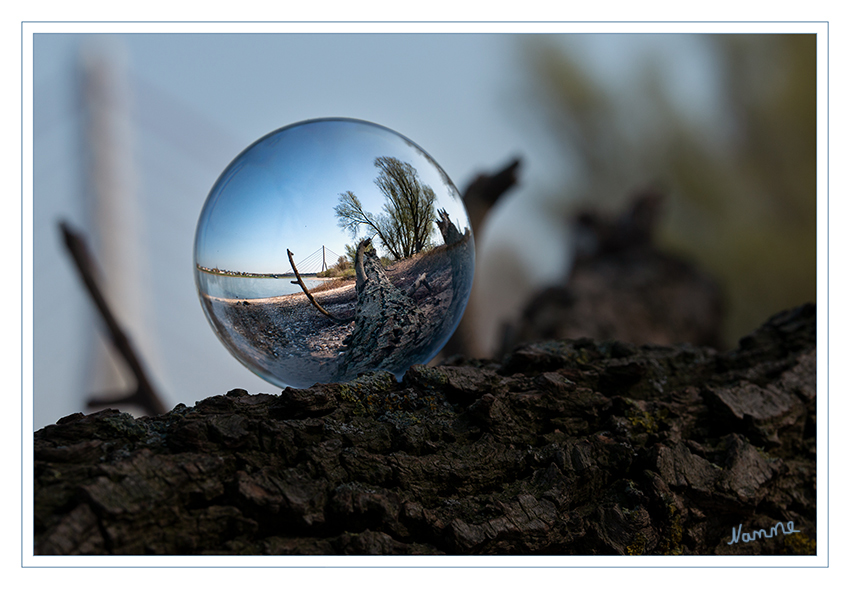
(330, 248)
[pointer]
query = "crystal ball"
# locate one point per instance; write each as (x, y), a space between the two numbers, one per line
(330, 248)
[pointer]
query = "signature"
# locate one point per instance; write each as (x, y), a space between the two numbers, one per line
(750, 536)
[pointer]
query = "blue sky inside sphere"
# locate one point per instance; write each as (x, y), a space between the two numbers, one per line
(281, 194)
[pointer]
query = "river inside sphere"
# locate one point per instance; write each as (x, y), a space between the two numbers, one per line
(330, 248)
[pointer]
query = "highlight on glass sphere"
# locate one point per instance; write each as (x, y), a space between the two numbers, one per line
(333, 247)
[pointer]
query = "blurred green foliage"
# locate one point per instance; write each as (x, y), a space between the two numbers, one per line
(741, 181)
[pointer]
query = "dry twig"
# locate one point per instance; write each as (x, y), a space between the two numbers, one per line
(315, 303)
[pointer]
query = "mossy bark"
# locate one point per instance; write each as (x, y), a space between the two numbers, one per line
(564, 447)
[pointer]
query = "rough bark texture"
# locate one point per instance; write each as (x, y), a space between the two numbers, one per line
(387, 322)
(566, 447)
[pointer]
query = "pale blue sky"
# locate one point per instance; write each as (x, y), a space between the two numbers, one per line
(199, 99)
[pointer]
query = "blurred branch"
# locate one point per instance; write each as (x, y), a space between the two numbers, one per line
(145, 396)
(491, 186)
(483, 193)
(480, 197)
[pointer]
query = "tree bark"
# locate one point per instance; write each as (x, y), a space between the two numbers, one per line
(387, 322)
(564, 447)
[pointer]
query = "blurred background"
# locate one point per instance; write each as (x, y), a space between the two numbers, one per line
(131, 131)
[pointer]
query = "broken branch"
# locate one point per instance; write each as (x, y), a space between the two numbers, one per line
(307, 292)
